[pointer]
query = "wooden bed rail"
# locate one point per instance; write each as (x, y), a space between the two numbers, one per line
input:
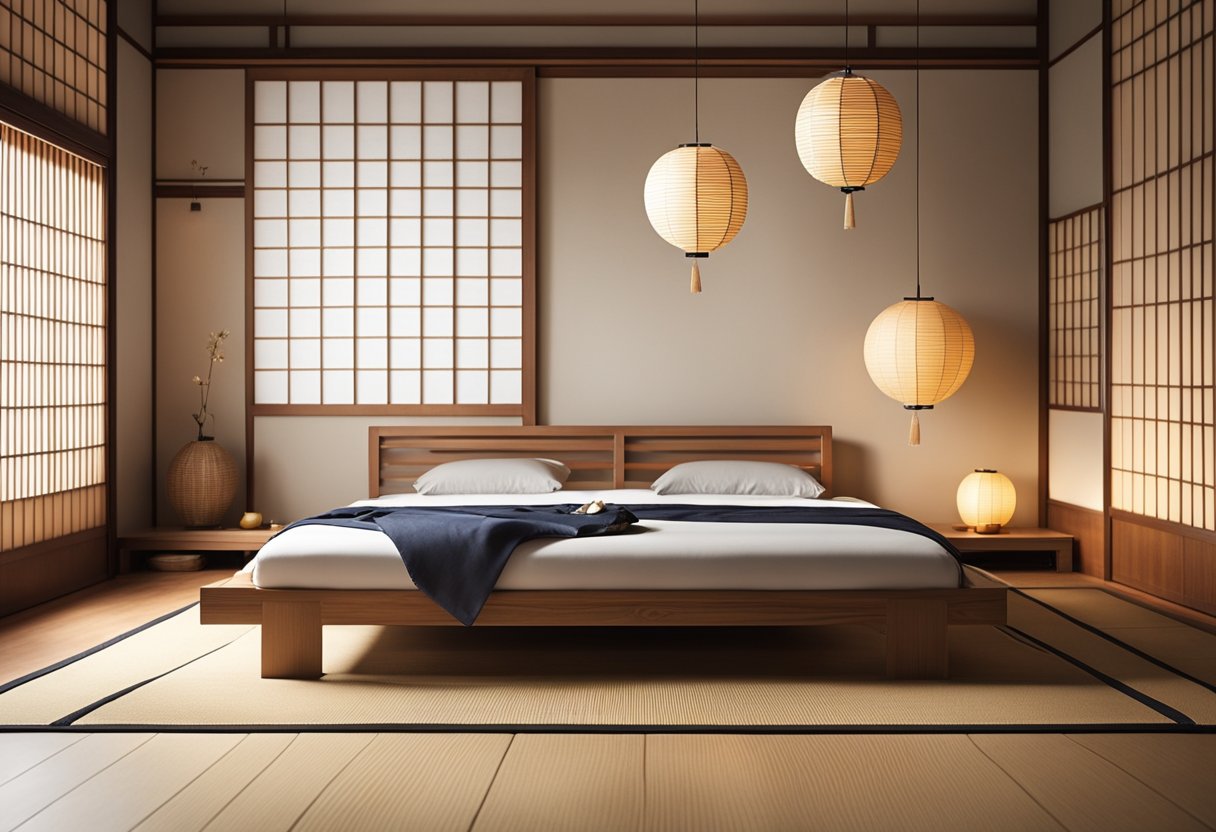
(915, 620)
(598, 456)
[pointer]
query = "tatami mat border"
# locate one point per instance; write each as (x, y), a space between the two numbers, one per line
(471, 728)
(1182, 723)
(1136, 651)
(62, 663)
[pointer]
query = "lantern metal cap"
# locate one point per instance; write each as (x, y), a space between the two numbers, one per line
(985, 470)
(918, 298)
(696, 144)
(696, 254)
(918, 407)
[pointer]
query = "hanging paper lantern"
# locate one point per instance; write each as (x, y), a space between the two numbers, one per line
(696, 199)
(986, 500)
(919, 352)
(848, 132)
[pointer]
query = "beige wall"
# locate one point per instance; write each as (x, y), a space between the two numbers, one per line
(133, 250)
(1075, 455)
(200, 280)
(777, 335)
(200, 116)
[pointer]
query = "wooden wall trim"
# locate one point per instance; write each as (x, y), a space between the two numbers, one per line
(39, 120)
(199, 192)
(1097, 30)
(831, 20)
(1044, 271)
(1088, 528)
(35, 574)
(720, 62)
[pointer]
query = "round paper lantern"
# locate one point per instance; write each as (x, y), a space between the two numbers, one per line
(696, 199)
(986, 500)
(918, 352)
(848, 132)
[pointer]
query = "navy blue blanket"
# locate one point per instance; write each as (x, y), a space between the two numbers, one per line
(455, 555)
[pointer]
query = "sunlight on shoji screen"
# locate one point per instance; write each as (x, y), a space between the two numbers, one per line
(54, 51)
(388, 243)
(1075, 311)
(1163, 447)
(52, 341)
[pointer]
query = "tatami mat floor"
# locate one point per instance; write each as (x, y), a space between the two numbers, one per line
(332, 781)
(481, 781)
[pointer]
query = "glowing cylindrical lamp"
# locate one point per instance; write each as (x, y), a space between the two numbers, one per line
(986, 500)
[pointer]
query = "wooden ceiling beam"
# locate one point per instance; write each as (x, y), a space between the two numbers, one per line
(592, 20)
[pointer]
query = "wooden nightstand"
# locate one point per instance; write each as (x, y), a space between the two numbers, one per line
(1012, 540)
(171, 539)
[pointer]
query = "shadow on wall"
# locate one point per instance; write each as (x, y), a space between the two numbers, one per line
(852, 470)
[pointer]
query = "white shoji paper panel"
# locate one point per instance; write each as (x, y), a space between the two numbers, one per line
(388, 242)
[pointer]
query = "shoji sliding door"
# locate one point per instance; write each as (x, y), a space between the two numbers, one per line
(52, 369)
(1163, 425)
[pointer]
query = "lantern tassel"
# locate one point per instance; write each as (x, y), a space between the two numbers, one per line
(850, 218)
(695, 287)
(914, 430)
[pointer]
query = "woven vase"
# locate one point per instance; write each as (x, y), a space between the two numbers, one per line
(201, 483)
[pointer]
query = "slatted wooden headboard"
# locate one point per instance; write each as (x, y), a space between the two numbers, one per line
(599, 456)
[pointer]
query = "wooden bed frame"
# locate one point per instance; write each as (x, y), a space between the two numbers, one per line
(915, 621)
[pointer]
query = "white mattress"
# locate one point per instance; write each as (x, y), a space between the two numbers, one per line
(661, 555)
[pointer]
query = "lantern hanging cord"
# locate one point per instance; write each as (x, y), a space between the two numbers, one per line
(846, 37)
(918, 149)
(696, 70)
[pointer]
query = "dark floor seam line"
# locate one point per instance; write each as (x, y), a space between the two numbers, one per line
(192, 781)
(330, 782)
(62, 663)
(249, 783)
(926, 729)
(490, 785)
(1119, 642)
(1148, 786)
(87, 709)
(104, 768)
(43, 760)
(1019, 784)
(1122, 687)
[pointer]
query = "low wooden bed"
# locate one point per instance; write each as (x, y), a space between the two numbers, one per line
(915, 621)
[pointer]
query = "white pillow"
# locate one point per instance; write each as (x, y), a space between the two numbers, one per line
(769, 479)
(493, 476)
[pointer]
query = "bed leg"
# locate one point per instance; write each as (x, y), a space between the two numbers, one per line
(291, 640)
(917, 646)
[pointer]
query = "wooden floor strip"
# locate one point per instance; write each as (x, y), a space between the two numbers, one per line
(868, 783)
(410, 781)
(1178, 768)
(1085, 792)
(29, 793)
(126, 792)
(593, 783)
(193, 807)
(287, 787)
(21, 752)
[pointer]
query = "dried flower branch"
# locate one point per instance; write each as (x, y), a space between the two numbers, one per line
(215, 343)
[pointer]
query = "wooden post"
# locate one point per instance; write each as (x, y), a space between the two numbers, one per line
(291, 640)
(917, 642)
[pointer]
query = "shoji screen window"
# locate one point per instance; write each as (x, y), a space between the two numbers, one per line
(52, 342)
(391, 236)
(1075, 312)
(1163, 417)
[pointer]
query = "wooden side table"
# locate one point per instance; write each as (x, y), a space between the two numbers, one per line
(177, 539)
(1012, 540)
